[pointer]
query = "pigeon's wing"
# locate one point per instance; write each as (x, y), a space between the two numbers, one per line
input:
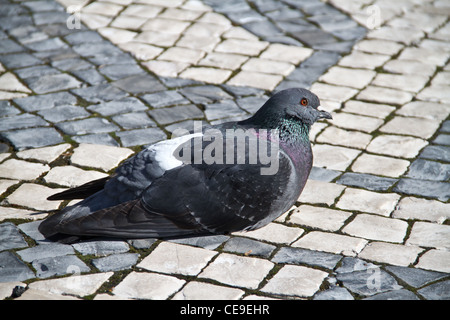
(197, 199)
(81, 192)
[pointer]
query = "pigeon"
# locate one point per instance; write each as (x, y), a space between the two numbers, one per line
(207, 182)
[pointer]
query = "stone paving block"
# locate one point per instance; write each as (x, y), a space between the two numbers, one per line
(118, 106)
(134, 120)
(19, 60)
(437, 260)
(248, 247)
(255, 79)
(116, 262)
(6, 289)
(438, 153)
(205, 94)
(413, 208)
(377, 228)
(243, 47)
(335, 293)
(100, 93)
(120, 71)
(13, 213)
(302, 256)
(368, 282)
(237, 270)
(90, 125)
(97, 138)
(141, 136)
(333, 157)
(366, 181)
(363, 60)
(397, 146)
(223, 60)
(157, 38)
(429, 170)
(282, 52)
(206, 242)
(21, 121)
(368, 201)
(78, 285)
(295, 281)
(174, 258)
(70, 176)
(384, 95)
(195, 290)
(319, 217)
(380, 165)
(60, 265)
(34, 196)
(354, 78)
(415, 277)
(428, 234)
(423, 109)
(10, 237)
(9, 82)
(192, 41)
(14, 269)
(101, 157)
(409, 67)
(437, 291)
(51, 83)
(435, 93)
(183, 55)
(273, 232)
(392, 254)
(329, 192)
(268, 66)
(48, 251)
(32, 137)
(45, 154)
(222, 109)
(22, 170)
(332, 92)
(174, 114)
(331, 242)
(64, 113)
(152, 286)
(425, 188)
(411, 83)
(379, 46)
(351, 139)
(101, 247)
(210, 75)
(422, 128)
(426, 55)
(5, 184)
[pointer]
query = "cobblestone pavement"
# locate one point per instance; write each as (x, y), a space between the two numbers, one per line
(77, 97)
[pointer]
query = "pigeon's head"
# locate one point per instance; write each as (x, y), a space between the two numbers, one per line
(296, 105)
(299, 104)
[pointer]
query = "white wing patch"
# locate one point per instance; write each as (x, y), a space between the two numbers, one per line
(164, 150)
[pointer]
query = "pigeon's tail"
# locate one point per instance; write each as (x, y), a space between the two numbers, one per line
(81, 192)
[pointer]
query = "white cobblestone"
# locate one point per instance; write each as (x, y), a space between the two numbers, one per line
(377, 228)
(175, 258)
(295, 281)
(331, 242)
(368, 201)
(319, 217)
(237, 271)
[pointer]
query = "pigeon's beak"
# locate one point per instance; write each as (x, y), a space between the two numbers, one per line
(324, 115)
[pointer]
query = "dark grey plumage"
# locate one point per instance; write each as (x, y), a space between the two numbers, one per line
(155, 194)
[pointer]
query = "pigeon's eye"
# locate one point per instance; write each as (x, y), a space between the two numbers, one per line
(304, 102)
